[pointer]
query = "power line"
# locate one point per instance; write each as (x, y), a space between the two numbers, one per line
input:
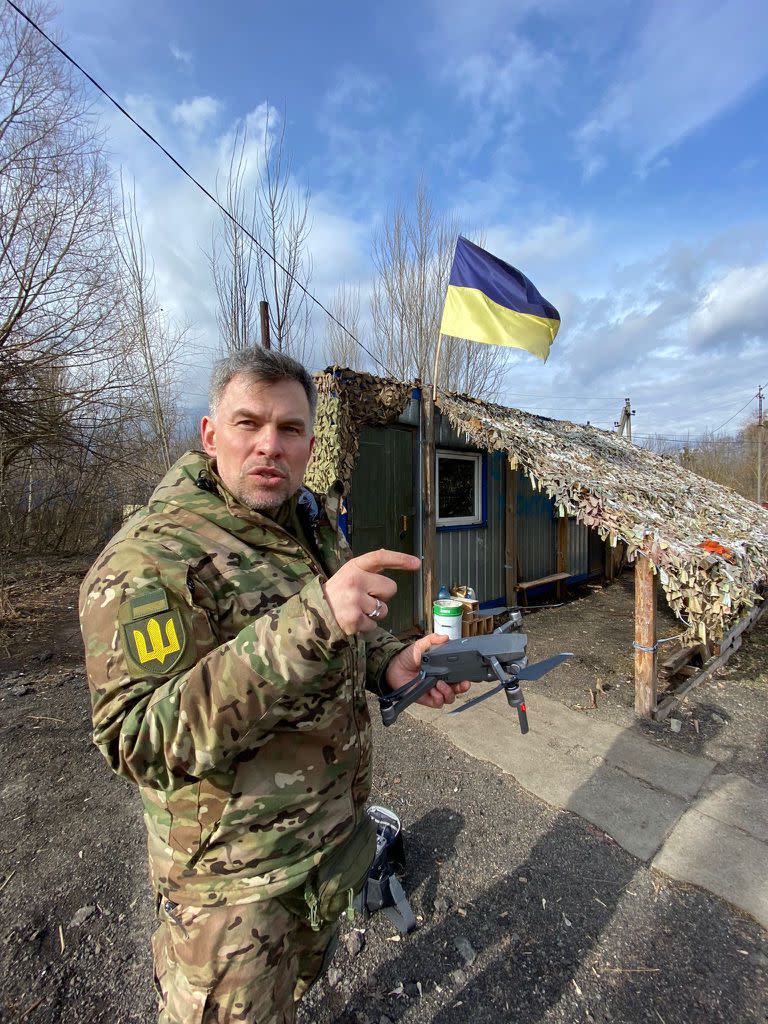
(703, 439)
(734, 415)
(194, 180)
(605, 399)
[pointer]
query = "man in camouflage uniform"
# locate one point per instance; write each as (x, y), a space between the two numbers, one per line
(229, 640)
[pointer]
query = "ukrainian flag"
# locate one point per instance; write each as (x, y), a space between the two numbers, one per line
(490, 301)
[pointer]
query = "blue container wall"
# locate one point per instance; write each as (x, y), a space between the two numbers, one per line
(578, 549)
(536, 533)
(475, 555)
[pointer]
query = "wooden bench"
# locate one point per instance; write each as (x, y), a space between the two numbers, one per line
(556, 577)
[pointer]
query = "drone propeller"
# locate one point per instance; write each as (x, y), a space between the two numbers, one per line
(540, 668)
(478, 700)
(530, 672)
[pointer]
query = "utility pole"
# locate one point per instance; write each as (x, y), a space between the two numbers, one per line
(625, 420)
(760, 445)
(264, 315)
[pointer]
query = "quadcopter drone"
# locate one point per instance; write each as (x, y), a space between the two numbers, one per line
(497, 657)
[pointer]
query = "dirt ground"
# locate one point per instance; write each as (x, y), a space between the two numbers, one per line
(725, 718)
(526, 914)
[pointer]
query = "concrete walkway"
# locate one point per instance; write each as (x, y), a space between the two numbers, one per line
(674, 810)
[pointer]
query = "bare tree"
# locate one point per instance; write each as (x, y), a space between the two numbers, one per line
(412, 255)
(233, 258)
(154, 339)
(57, 263)
(276, 213)
(340, 349)
(728, 460)
(74, 426)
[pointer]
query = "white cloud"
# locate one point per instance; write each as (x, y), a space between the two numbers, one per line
(460, 25)
(661, 332)
(197, 113)
(253, 135)
(182, 56)
(339, 245)
(552, 242)
(692, 60)
(734, 309)
(354, 91)
(143, 109)
(504, 82)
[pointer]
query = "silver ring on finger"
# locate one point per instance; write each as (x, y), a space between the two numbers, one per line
(376, 611)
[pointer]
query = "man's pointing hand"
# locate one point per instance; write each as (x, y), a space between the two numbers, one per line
(358, 594)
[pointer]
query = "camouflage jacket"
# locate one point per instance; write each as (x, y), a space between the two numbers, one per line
(223, 685)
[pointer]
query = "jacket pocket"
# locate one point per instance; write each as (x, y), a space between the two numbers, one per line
(331, 887)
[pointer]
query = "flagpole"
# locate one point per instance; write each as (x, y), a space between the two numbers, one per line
(434, 372)
(428, 502)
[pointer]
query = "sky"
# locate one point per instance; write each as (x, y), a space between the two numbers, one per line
(615, 152)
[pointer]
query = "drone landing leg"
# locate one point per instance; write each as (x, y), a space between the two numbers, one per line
(398, 700)
(514, 693)
(515, 699)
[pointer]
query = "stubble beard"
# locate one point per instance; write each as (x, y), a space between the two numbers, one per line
(250, 494)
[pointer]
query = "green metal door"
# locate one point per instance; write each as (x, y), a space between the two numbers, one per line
(382, 508)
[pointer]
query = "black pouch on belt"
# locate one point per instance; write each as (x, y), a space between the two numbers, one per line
(331, 887)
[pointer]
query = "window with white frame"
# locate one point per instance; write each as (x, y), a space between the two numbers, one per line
(459, 488)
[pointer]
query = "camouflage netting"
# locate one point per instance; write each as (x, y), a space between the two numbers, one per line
(658, 508)
(348, 401)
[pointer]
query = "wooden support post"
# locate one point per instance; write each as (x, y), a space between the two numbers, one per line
(429, 498)
(645, 637)
(562, 554)
(610, 561)
(510, 535)
(264, 315)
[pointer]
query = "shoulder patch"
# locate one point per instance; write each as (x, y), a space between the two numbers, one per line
(153, 634)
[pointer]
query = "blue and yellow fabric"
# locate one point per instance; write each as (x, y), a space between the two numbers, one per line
(491, 302)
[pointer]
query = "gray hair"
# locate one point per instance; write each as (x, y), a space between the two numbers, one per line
(259, 364)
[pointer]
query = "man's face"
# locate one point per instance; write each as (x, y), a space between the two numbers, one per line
(261, 440)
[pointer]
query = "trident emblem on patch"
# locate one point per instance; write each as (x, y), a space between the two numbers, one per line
(153, 634)
(157, 649)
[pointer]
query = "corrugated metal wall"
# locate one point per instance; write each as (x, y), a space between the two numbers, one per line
(537, 538)
(578, 548)
(475, 556)
(536, 533)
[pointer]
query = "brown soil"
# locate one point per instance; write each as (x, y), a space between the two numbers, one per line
(725, 718)
(526, 914)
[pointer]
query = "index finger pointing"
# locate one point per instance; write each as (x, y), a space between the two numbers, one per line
(375, 561)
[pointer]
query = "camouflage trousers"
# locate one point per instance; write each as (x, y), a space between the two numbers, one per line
(248, 964)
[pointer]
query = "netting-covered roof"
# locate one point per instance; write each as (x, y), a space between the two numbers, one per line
(708, 543)
(347, 401)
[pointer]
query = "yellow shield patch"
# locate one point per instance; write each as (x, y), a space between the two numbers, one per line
(153, 643)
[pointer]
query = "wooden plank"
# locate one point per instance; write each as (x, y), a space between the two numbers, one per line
(742, 625)
(554, 578)
(429, 518)
(510, 533)
(645, 637)
(675, 662)
(712, 665)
